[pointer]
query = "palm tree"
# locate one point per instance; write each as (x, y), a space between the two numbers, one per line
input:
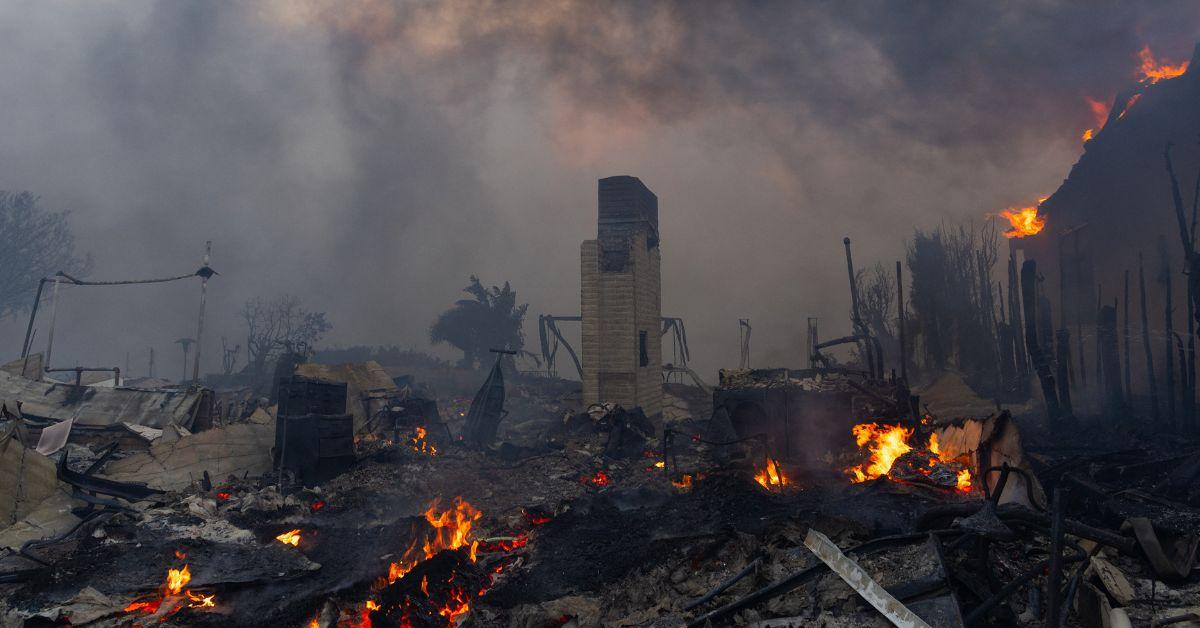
(490, 320)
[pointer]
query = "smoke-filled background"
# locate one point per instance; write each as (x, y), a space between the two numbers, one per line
(369, 156)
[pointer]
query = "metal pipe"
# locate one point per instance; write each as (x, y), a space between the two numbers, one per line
(53, 318)
(37, 300)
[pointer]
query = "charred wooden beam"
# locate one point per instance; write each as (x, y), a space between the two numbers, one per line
(1169, 314)
(1125, 336)
(1063, 344)
(1110, 359)
(1041, 362)
(1153, 383)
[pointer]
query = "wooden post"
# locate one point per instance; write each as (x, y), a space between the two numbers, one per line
(1041, 362)
(1151, 382)
(1170, 330)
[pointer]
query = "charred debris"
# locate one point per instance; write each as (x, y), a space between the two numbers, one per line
(948, 462)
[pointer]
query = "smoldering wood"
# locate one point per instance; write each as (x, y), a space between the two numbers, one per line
(1151, 382)
(1041, 362)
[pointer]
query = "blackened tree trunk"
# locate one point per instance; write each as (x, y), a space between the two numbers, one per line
(1110, 360)
(1125, 336)
(1170, 329)
(1014, 311)
(1063, 341)
(1151, 382)
(1041, 362)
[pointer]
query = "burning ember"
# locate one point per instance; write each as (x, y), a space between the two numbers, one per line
(173, 587)
(317, 505)
(291, 537)
(600, 479)
(418, 443)
(451, 530)
(888, 445)
(1152, 70)
(772, 477)
(1024, 221)
(684, 483)
(885, 443)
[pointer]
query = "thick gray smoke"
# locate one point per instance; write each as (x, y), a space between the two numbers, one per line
(368, 156)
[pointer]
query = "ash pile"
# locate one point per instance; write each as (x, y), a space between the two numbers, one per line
(352, 501)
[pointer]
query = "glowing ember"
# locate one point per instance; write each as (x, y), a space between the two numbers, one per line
(224, 496)
(291, 537)
(660, 464)
(885, 443)
(536, 518)
(772, 476)
(317, 505)
(684, 483)
(1153, 70)
(418, 443)
(457, 604)
(1024, 221)
(600, 479)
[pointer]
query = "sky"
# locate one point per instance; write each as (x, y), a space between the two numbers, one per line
(369, 156)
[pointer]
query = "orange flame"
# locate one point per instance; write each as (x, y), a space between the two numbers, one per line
(451, 530)
(176, 580)
(458, 603)
(1099, 117)
(292, 537)
(197, 600)
(772, 476)
(684, 482)
(1153, 70)
(885, 443)
(1024, 221)
(418, 443)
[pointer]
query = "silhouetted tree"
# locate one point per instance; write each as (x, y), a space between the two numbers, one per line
(279, 325)
(490, 320)
(37, 244)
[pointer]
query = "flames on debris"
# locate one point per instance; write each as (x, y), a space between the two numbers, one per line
(172, 590)
(771, 476)
(891, 454)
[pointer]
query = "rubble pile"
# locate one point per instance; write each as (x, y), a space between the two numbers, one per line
(597, 516)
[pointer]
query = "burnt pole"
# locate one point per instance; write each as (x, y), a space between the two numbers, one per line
(1152, 382)
(900, 324)
(1170, 329)
(204, 273)
(859, 328)
(1041, 362)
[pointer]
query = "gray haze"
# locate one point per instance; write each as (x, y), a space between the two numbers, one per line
(369, 156)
